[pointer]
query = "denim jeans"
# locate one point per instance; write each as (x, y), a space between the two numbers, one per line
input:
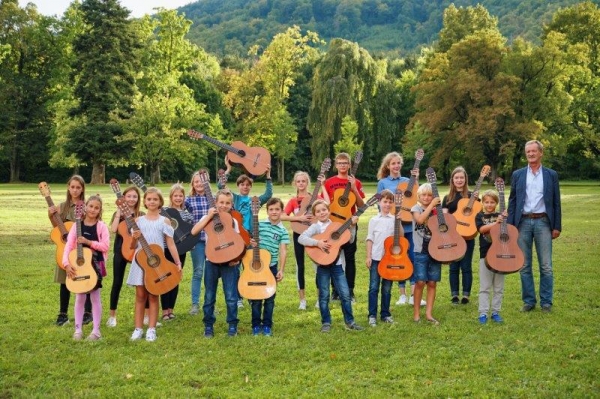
(229, 277)
(386, 292)
(336, 274)
(465, 266)
(411, 256)
(536, 231)
(269, 305)
(198, 259)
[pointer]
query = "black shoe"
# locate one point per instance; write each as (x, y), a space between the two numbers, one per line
(455, 300)
(527, 308)
(335, 297)
(546, 308)
(464, 300)
(62, 319)
(87, 318)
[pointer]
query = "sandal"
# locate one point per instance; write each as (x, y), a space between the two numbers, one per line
(171, 316)
(93, 337)
(417, 321)
(433, 321)
(166, 317)
(77, 336)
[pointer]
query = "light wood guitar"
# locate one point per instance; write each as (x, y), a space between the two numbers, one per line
(223, 244)
(343, 198)
(504, 255)
(395, 264)
(235, 214)
(256, 280)
(124, 227)
(81, 260)
(336, 234)
(254, 160)
(160, 274)
(446, 245)
(59, 233)
(409, 190)
(307, 202)
(468, 208)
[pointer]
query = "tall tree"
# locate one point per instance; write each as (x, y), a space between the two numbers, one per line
(464, 21)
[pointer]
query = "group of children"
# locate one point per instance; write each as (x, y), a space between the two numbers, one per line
(273, 236)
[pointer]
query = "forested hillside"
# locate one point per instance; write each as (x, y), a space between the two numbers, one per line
(400, 26)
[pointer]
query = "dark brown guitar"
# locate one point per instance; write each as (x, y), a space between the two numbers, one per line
(409, 190)
(505, 255)
(446, 245)
(124, 228)
(307, 202)
(59, 234)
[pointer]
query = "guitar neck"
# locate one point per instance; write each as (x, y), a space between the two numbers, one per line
(503, 227)
(413, 179)
(397, 224)
(141, 239)
(438, 207)
(348, 222)
(315, 192)
(79, 245)
(211, 200)
(222, 145)
(256, 249)
(56, 217)
(477, 188)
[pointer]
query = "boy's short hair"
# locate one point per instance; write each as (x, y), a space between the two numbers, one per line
(318, 202)
(273, 201)
(493, 194)
(386, 194)
(343, 155)
(243, 179)
(425, 189)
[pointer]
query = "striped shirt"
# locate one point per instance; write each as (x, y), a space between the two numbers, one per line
(198, 206)
(271, 237)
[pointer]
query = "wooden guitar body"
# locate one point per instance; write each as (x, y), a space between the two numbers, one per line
(325, 258)
(126, 249)
(86, 278)
(504, 255)
(395, 264)
(255, 160)
(160, 275)
(60, 240)
(465, 218)
(243, 232)
(182, 234)
(305, 209)
(446, 245)
(223, 244)
(408, 201)
(341, 205)
(257, 281)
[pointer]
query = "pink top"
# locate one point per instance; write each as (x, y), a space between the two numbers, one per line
(101, 245)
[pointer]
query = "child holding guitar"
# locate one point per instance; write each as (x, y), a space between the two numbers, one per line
(227, 271)
(331, 272)
(66, 212)
(459, 189)
(94, 235)
(427, 271)
(132, 198)
(156, 229)
(381, 226)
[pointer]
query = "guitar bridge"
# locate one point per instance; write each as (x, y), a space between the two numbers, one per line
(223, 246)
(396, 267)
(506, 256)
(463, 223)
(446, 246)
(256, 283)
(81, 278)
(163, 277)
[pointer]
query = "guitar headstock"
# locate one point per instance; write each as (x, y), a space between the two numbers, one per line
(44, 189)
(255, 205)
(398, 196)
(325, 166)
(204, 177)
(123, 207)
(79, 209)
(485, 171)
(138, 181)
(373, 200)
(115, 186)
(431, 178)
(419, 154)
(499, 184)
(222, 177)
(195, 135)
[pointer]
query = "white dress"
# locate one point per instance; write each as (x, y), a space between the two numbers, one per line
(154, 232)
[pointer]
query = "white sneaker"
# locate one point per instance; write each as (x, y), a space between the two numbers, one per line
(111, 322)
(402, 300)
(146, 320)
(423, 302)
(372, 321)
(138, 333)
(151, 335)
(388, 320)
(195, 310)
(240, 303)
(411, 301)
(302, 305)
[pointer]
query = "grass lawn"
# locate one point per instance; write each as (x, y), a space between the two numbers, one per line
(530, 355)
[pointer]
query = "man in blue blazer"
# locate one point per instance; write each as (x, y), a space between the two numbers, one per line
(534, 208)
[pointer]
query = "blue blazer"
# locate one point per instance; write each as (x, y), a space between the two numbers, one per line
(516, 199)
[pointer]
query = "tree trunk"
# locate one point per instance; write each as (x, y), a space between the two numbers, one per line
(281, 170)
(98, 171)
(155, 176)
(15, 167)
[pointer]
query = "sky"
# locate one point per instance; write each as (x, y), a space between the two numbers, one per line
(137, 7)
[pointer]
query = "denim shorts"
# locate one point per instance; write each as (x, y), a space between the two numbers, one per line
(426, 268)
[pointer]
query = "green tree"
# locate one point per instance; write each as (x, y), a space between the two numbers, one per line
(464, 21)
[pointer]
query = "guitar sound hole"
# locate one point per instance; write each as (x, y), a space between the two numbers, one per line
(467, 211)
(407, 194)
(343, 201)
(175, 224)
(396, 250)
(241, 153)
(153, 261)
(256, 266)
(504, 237)
(218, 227)
(443, 228)
(80, 261)
(64, 238)
(335, 235)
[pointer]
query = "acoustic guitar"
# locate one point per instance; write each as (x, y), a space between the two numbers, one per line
(81, 260)
(59, 233)
(343, 198)
(182, 230)
(223, 244)
(254, 160)
(307, 202)
(124, 227)
(336, 234)
(446, 245)
(395, 264)
(504, 255)
(160, 275)
(235, 214)
(409, 190)
(468, 208)
(256, 280)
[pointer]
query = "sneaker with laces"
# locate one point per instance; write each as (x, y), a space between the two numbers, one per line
(267, 332)
(496, 318)
(372, 321)
(151, 335)
(195, 309)
(240, 303)
(483, 318)
(87, 318)
(111, 322)
(209, 332)
(402, 300)
(232, 331)
(353, 326)
(455, 300)
(302, 305)
(62, 319)
(464, 300)
(325, 327)
(256, 330)
(138, 333)
(388, 320)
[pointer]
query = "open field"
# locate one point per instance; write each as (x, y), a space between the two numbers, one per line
(530, 355)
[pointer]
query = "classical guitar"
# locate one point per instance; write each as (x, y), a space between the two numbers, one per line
(160, 275)
(59, 234)
(343, 198)
(182, 234)
(395, 264)
(256, 280)
(223, 244)
(235, 214)
(446, 245)
(504, 255)
(307, 202)
(468, 208)
(336, 234)
(124, 228)
(254, 160)
(409, 190)
(81, 260)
